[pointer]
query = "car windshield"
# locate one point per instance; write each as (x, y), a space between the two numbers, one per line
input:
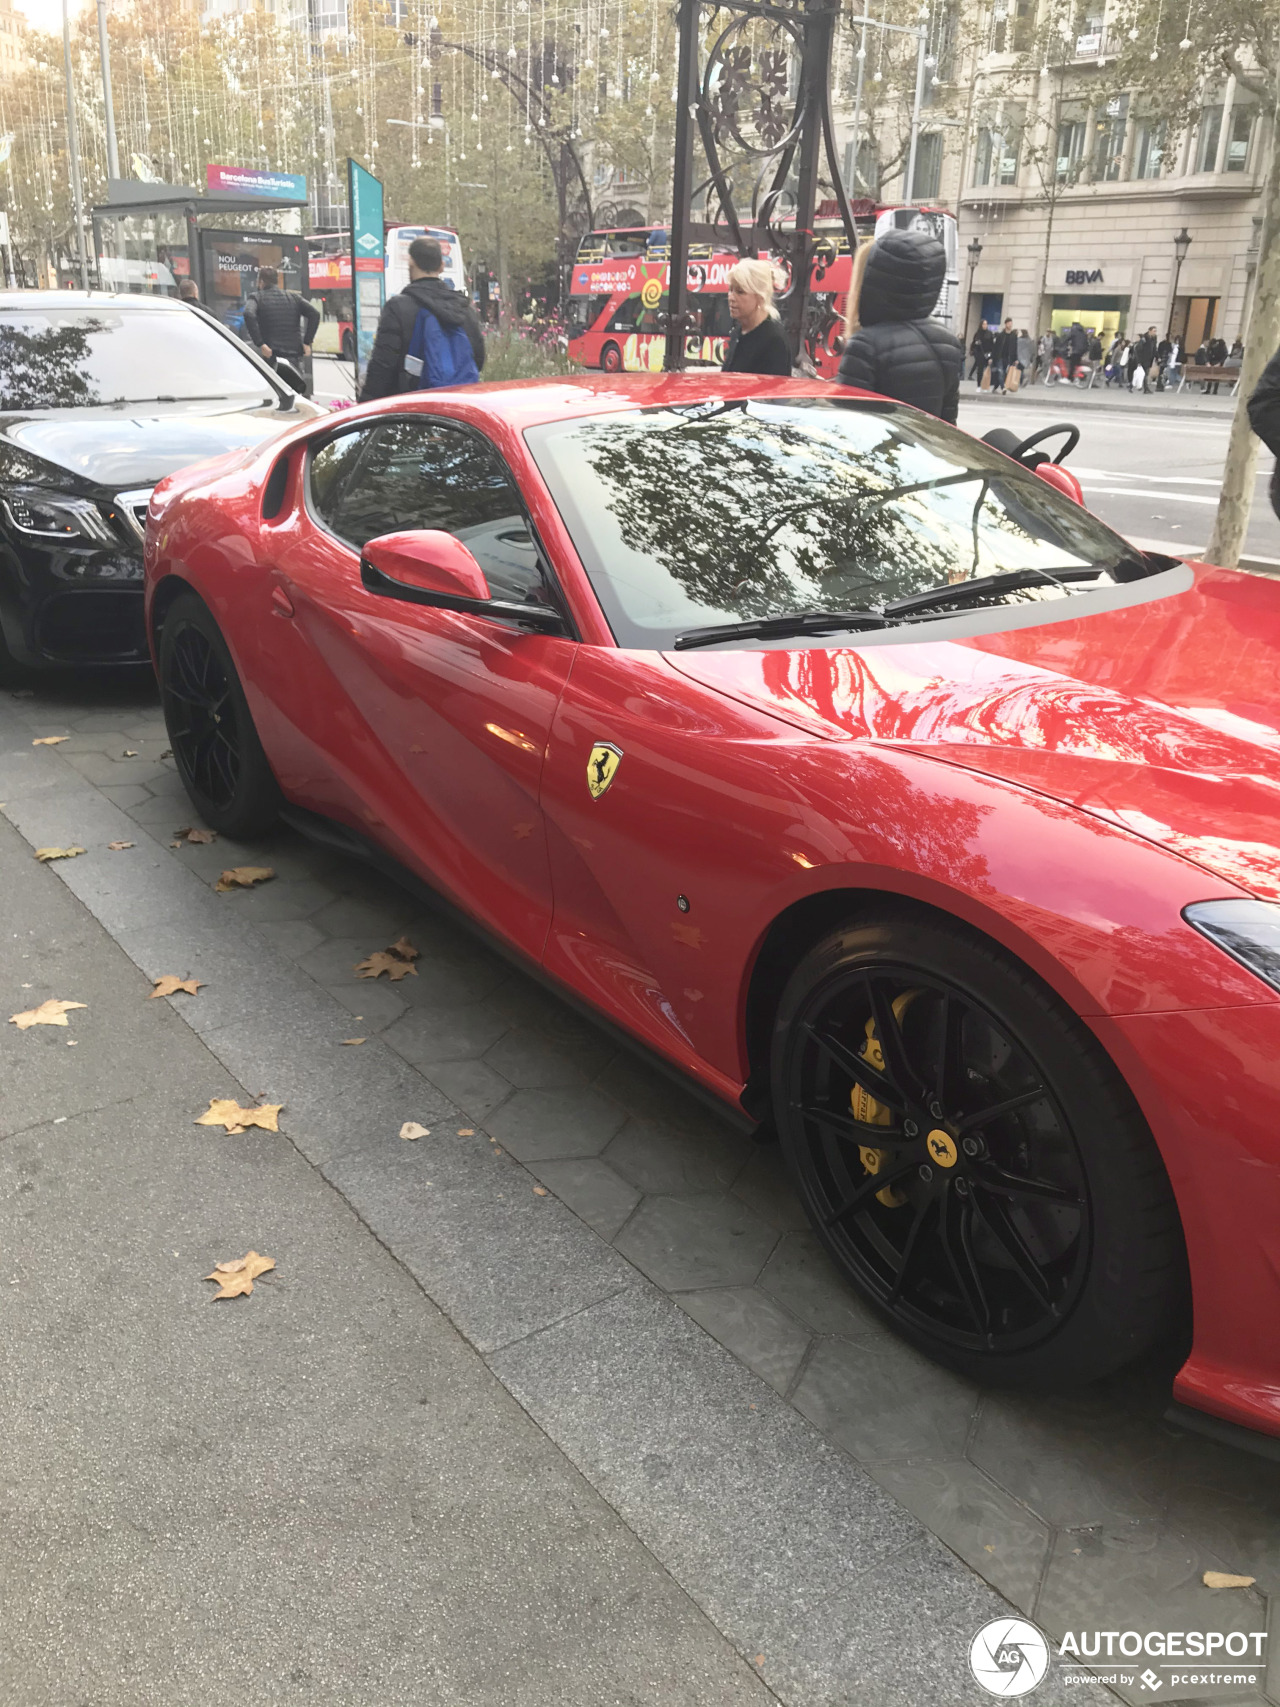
(728, 511)
(75, 358)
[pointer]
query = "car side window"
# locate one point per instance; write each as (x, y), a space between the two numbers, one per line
(330, 470)
(428, 474)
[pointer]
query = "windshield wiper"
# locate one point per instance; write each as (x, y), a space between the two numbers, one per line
(778, 627)
(211, 397)
(1010, 581)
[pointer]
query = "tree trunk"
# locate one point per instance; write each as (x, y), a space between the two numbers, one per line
(1261, 336)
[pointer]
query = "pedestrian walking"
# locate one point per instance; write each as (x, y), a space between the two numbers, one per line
(1004, 355)
(757, 343)
(1077, 345)
(1046, 349)
(280, 322)
(1264, 418)
(428, 335)
(1026, 358)
(980, 348)
(1143, 361)
(891, 344)
(1118, 371)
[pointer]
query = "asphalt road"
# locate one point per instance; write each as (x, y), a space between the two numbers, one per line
(1151, 479)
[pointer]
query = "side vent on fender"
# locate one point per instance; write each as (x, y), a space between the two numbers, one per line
(274, 490)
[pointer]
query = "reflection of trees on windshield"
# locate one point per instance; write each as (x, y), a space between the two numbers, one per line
(754, 514)
(45, 368)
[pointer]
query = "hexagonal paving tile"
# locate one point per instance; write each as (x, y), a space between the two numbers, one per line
(294, 937)
(453, 983)
(662, 1159)
(380, 921)
(542, 1126)
(429, 1035)
(531, 1060)
(685, 1243)
(592, 1190)
(881, 1400)
(475, 1088)
(372, 1005)
(335, 962)
(753, 1328)
(802, 1276)
(765, 1186)
(279, 900)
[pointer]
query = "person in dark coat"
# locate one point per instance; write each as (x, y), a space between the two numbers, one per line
(1004, 355)
(1077, 343)
(280, 322)
(1144, 356)
(980, 347)
(891, 345)
(758, 344)
(386, 374)
(1264, 418)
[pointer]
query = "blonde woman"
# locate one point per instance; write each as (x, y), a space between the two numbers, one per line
(758, 344)
(891, 344)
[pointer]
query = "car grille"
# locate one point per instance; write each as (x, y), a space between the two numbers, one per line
(130, 513)
(92, 625)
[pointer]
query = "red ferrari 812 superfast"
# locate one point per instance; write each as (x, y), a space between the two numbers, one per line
(841, 760)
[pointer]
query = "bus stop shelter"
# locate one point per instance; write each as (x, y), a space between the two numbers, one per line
(148, 237)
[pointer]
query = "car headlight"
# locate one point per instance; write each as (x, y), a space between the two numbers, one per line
(38, 515)
(1249, 931)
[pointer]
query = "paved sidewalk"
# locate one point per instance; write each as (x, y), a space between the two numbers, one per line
(662, 1315)
(1181, 405)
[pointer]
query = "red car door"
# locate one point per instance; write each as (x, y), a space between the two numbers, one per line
(430, 725)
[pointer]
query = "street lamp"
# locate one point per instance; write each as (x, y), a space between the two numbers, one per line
(1181, 243)
(975, 255)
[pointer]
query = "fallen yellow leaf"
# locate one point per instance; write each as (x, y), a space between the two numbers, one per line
(49, 740)
(539, 1191)
(117, 847)
(223, 1111)
(404, 949)
(48, 1013)
(243, 877)
(44, 855)
(350, 1042)
(411, 1129)
(384, 961)
(200, 837)
(466, 1132)
(235, 1279)
(1224, 1579)
(169, 986)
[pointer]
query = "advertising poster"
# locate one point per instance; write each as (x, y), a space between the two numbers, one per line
(364, 193)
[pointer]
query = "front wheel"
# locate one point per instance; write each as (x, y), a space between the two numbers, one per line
(970, 1158)
(215, 745)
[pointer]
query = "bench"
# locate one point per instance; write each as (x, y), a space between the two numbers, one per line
(1224, 375)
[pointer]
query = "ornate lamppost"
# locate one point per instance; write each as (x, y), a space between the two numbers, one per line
(1181, 243)
(974, 252)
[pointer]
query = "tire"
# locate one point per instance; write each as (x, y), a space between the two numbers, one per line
(1036, 1245)
(215, 745)
(611, 359)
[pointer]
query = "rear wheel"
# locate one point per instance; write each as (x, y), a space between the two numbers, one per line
(215, 745)
(970, 1158)
(611, 359)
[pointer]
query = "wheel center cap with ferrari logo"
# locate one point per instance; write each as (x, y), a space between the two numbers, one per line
(942, 1148)
(602, 767)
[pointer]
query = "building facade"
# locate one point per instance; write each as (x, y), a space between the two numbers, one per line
(1074, 196)
(13, 40)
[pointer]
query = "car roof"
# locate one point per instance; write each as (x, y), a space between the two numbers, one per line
(522, 403)
(88, 299)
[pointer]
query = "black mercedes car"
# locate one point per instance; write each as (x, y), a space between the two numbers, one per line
(101, 396)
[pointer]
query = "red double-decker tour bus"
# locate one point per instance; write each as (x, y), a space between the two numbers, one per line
(618, 291)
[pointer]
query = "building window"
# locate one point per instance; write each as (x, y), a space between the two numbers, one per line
(928, 175)
(1108, 154)
(1071, 136)
(1207, 144)
(1238, 142)
(1012, 22)
(995, 159)
(1148, 153)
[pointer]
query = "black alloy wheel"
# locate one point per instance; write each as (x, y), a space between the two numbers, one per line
(215, 745)
(969, 1157)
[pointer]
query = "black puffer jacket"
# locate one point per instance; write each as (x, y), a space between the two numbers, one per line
(281, 319)
(898, 351)
(385, 375)
(1264, 418)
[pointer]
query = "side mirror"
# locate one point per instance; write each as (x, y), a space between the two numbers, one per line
(430, 567)
(427, 561)
(1053, 474)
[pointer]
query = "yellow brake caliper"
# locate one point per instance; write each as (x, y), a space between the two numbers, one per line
(866, 1109)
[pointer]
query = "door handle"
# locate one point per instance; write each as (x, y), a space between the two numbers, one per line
(281, 603)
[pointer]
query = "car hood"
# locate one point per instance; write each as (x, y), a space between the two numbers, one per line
(1163, 718)
(118, 448)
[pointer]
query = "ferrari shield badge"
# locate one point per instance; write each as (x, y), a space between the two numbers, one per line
(602, 767)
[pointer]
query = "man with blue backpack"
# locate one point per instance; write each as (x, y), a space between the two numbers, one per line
(429, 335)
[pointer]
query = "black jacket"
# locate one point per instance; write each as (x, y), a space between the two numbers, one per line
(1144, 351)
(1077, 340)
(762, 350)
(1264, 418)
(1005, 353)
(386, 375)
(898, 351)
(274, 317)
